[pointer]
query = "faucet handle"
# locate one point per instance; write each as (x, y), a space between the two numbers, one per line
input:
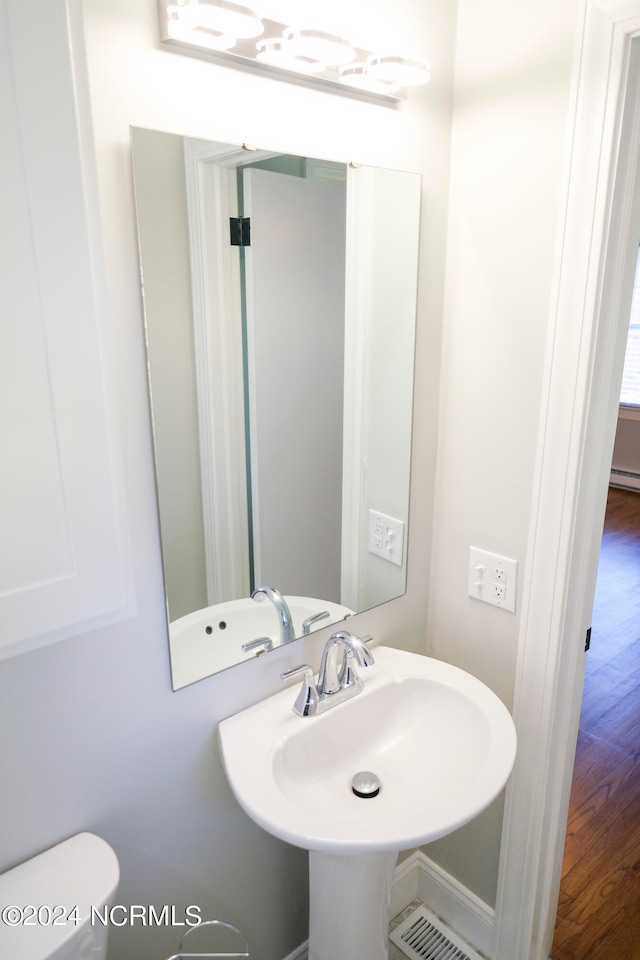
(307, 624)
(307, 700)
(262, 645)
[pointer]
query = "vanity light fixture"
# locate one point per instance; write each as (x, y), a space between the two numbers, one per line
(218, 24)
(278, 53)
(317, 45)
(358, 76)
(227, 32)
(400, 70)
(198, 36)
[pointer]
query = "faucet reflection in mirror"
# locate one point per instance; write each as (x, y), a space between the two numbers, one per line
(287, 633)
(281, 382)
(237, 35)
(209, 640)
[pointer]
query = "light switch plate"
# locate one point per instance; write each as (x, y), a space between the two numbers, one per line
(492, 578)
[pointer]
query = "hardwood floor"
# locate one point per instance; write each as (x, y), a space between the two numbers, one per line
(599, 908)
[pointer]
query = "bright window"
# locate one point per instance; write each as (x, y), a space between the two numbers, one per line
(630, 393)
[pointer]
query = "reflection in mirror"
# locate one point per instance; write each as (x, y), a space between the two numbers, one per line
(279, 300)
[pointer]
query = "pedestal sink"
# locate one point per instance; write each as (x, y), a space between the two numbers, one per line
(442, 746)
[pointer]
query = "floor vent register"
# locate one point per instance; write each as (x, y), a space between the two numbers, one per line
(422, 936)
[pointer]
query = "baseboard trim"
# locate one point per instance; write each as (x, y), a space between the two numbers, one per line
(300, 953)
(419, 878)
(627, 479)
(405, 884)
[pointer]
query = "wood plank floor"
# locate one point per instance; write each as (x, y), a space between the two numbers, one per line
(599, 908)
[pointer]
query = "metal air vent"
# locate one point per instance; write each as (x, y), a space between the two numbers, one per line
(422, 936)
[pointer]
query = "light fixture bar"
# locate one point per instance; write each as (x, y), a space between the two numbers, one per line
(212, 28)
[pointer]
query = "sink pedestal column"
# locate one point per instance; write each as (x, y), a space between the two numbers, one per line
(349, 905)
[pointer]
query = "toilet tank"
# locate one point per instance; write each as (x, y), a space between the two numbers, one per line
(38, 901)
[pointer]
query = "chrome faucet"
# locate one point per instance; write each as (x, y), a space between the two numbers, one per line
(287, 633)
(337, 679)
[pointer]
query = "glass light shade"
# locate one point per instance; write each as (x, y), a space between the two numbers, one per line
(223, 17)
(199, 36)
(204, 37)
(316, 45)
(176, 27)
(357, 75)
(400, 70)
(277, 52)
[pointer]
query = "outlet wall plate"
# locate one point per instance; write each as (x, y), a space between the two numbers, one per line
(493, 578)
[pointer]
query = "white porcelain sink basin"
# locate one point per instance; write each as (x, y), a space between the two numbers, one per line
(441, 743)
(211, 639)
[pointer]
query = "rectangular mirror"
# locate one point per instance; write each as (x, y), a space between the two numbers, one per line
(280, 302)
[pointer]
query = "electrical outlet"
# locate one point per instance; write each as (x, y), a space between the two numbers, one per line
(492, 578)
(386, 537)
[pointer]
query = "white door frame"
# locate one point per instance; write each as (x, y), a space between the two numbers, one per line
(217, 336)
(217, 329)
(597, 247)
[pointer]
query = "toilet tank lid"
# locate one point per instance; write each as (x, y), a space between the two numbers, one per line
(81, 871)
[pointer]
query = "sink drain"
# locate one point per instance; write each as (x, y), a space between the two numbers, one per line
(365, 784)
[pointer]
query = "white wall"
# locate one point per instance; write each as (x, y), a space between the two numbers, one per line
(91, 736)
(513, 73)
